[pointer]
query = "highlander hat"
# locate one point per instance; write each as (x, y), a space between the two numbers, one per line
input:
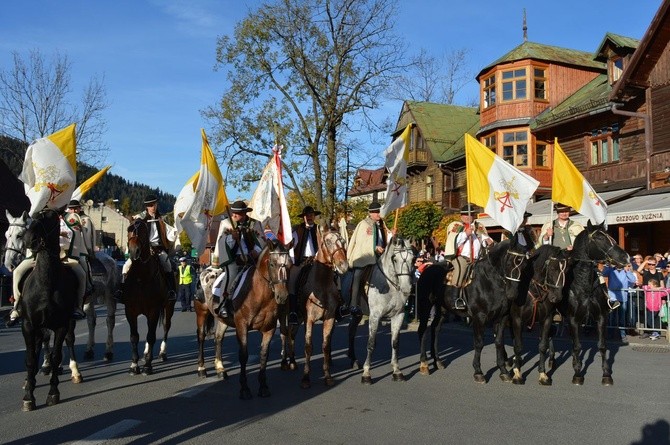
(150, 199)
(240, 207)
(307, 210)
(374, 207)
(74, 204)
(558, 207)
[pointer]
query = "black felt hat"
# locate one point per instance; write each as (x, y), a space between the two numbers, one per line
(558, 207)
(240, 207)
(307, 210)
(374, 207)
(74, 204)
(150, 199)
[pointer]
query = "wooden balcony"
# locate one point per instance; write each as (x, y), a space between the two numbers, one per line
(418, 161)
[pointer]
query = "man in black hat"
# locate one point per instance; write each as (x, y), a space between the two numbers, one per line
(239, 242)
(367, 243)
(88, 235)
(161, 237)
(562, 231)
(524, 234)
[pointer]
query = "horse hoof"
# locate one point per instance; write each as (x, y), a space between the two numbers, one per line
(222, 375)
(163, 356)
(109, 356)
(147, 370)
(305, 383)
(53, 399)
(245, 394)
(423, 369)
(355, 366)
(545, 382)
(439, 364)
(46, 370)
(366, 380)
(506, 378)
(479, 378)
(518, 381)
(577, 380)
(202, 374)
(399, 377)
(264, 392)
(28, 405)
(77, 378)
(89, 355)
(608, 381)
(329, 381)
(135, 370)
(293, 366)
(284, 365)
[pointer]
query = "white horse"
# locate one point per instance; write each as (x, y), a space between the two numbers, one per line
(14, 251)
(389, 287)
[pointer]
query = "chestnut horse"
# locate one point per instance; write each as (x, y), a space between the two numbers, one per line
(145, 293)
(319, 299)
(256, 307)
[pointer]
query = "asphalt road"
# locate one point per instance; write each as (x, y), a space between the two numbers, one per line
(175, 406)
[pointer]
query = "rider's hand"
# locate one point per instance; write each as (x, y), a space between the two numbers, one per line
(379, 249)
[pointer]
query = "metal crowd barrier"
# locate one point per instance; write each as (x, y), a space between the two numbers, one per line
(637, 317)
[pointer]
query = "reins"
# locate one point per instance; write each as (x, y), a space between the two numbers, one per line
(406, 254)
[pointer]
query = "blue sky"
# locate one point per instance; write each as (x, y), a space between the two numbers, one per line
(158, 57)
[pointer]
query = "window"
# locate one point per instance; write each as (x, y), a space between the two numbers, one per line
(490, 142)
(514, 84)
(429, 188)
(489, 87)
(540, 83)
(541, 155)
(604, 146)
(616, 68)
(515, 148)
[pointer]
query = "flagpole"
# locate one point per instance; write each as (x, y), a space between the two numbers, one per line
(395, 221)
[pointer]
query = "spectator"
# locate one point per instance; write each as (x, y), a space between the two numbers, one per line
(186, 275)
(618, 281)
(653, 294)
(661, 262)
(648, 269)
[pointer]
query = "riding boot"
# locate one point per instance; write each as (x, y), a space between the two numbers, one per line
(292, 307)
(222, 310)
(14, 315)
(355, 310)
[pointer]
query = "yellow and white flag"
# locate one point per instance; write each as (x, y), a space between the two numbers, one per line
(396, 155)
(569, 187)
(85, 186)
(183, 202)
(209, 199)
(50, 170)
(269, 203)
(500, 188)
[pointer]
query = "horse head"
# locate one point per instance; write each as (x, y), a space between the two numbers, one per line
(549, 268)
(14, 245)
(274, 264)
(43, 233)
(332, 250)
(139, 247)
(510, 256)
(595, 244)
(397, 263)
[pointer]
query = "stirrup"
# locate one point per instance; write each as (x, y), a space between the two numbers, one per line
(222, 311)
(460, 304)
(172, 295)
(613, 304)
(293, 319)
(344, 311)
(78, 314)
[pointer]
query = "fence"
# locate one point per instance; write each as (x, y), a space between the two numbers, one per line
(637, 316)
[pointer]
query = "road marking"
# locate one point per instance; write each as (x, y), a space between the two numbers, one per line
(197, 388)
(110, 432)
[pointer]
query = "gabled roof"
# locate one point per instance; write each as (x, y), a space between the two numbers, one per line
(592, 97)
(547, 53)
(623, 45)
(443, 127)
(368, 181)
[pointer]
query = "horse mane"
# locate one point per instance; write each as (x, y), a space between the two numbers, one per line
(44, 232)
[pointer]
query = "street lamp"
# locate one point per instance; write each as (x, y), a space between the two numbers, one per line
(102, 219)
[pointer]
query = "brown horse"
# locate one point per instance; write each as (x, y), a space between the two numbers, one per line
(255, 308)
(145, 293)
(319, 300)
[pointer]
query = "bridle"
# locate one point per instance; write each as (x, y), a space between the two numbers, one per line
(406, 256)
(329, 256)
(606, 252)
(517, 258)
(133, 234)
(278, 260)
(18, 250)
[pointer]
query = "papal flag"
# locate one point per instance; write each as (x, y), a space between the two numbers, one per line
(500, 188)
(269, 202)
(85, 186)
(396, 155)
(50, 170)
(209, 199)
(569, 187)
(183, 202)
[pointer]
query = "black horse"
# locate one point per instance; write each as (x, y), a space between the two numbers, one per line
(585, 294)
(48, 300)
(494, 286)
(540, 290)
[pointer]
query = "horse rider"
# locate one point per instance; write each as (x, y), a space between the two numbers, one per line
(465, 239)
(161, 236)
(524, 234)
(87, 230)
(562, 231)
(366, 244)
(239, 242)
(72, 245)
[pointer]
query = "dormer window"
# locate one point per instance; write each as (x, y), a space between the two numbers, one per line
(489, 91)
(615, 68)
(514, 86)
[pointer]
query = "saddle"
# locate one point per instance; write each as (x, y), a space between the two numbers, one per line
(97, 268)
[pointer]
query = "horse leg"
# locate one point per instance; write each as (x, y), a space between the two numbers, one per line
(577, 378)
(152, 325)
(134, 342)
(351, 352)
(328, 325)
(69, 341)
(478, 339)
(56, 357)
(89, 309)
(309, 326)
(243, 357)
(422, 313)
(167, 324)
(435, 328)
(501, 354)
(263, 389)
(200, 320)
(517, 332)
(396, 324)
(544, 378)
(46, 348)
(218, 350)
(111, 322)
(32, 339)
(602, 347)
(373, 325)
